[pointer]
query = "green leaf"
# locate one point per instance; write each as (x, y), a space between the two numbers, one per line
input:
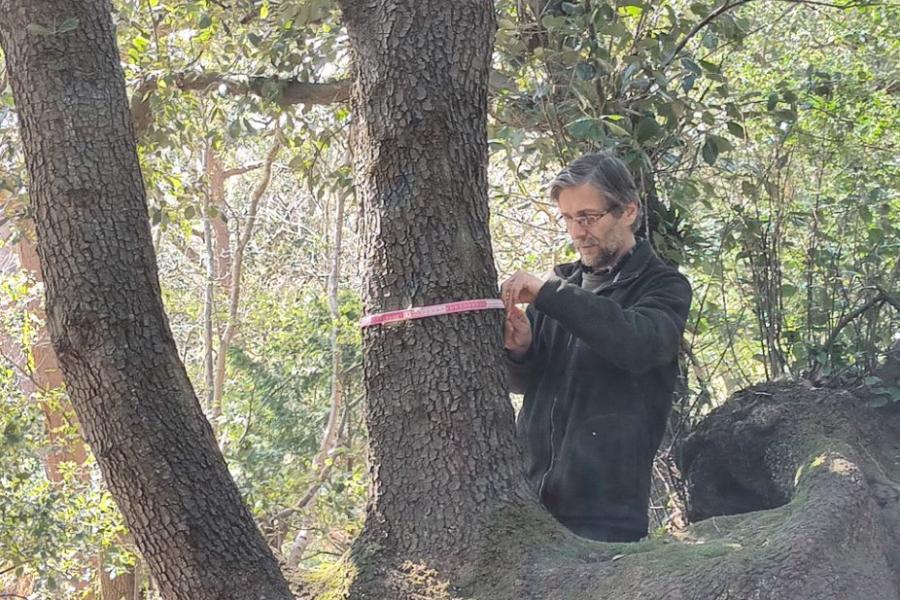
(722, 144)
(701, 10)
(631, 11)
(710, 151)
(772, 102)
(736, 130)
(11, 434)
(585, 71)
(691, 66)
(748, 189)
(616, 129)
(788, 290)
(647, 129)
(205, 21)
(584, 128)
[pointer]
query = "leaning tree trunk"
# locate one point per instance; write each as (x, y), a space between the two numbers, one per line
(131, 393)
(815, 476)
(442, 442)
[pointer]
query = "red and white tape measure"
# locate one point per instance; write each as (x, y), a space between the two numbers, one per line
(420, 312)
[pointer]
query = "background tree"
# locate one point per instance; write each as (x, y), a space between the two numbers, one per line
(105, 315)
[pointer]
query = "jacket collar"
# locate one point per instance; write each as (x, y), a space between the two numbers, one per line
(632, 268)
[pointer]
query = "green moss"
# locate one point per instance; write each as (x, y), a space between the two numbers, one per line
(330, 581)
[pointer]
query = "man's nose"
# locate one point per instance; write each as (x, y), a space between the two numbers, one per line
(577, 230)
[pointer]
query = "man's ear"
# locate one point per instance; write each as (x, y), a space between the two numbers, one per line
(629, 213)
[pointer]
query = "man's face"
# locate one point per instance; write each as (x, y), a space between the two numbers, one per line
(599, 236)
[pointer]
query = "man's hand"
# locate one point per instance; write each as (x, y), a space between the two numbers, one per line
(517, 332)
(521, 287)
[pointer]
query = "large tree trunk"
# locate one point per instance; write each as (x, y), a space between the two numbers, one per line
(442, 444)
(130, 391)
(816, 476)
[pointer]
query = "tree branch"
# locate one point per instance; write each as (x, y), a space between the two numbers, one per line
(728, 6)
(876, 300)
(284, 92)
(706, 21)
(888, 297)
(237, 171)
(237, 265)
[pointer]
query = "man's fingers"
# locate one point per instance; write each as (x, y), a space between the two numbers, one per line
(504, 294)
(511, 293)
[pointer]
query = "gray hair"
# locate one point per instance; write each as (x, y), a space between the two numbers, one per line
(606, 174)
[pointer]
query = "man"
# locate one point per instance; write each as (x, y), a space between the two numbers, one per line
(596, 357)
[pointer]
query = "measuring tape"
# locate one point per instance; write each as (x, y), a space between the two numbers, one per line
(420, 312)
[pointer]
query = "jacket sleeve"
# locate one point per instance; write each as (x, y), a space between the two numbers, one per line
(636, 339)
(521, 373)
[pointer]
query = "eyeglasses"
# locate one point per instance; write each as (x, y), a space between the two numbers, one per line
(586, 220)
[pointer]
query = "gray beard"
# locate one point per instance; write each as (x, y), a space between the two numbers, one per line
(605, 258)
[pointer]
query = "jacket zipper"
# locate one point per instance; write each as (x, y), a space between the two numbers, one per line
(552, 408)
(550, 465)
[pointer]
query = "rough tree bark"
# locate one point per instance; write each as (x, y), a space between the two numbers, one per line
(442, 444)
(815, 476)
(105, 315)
